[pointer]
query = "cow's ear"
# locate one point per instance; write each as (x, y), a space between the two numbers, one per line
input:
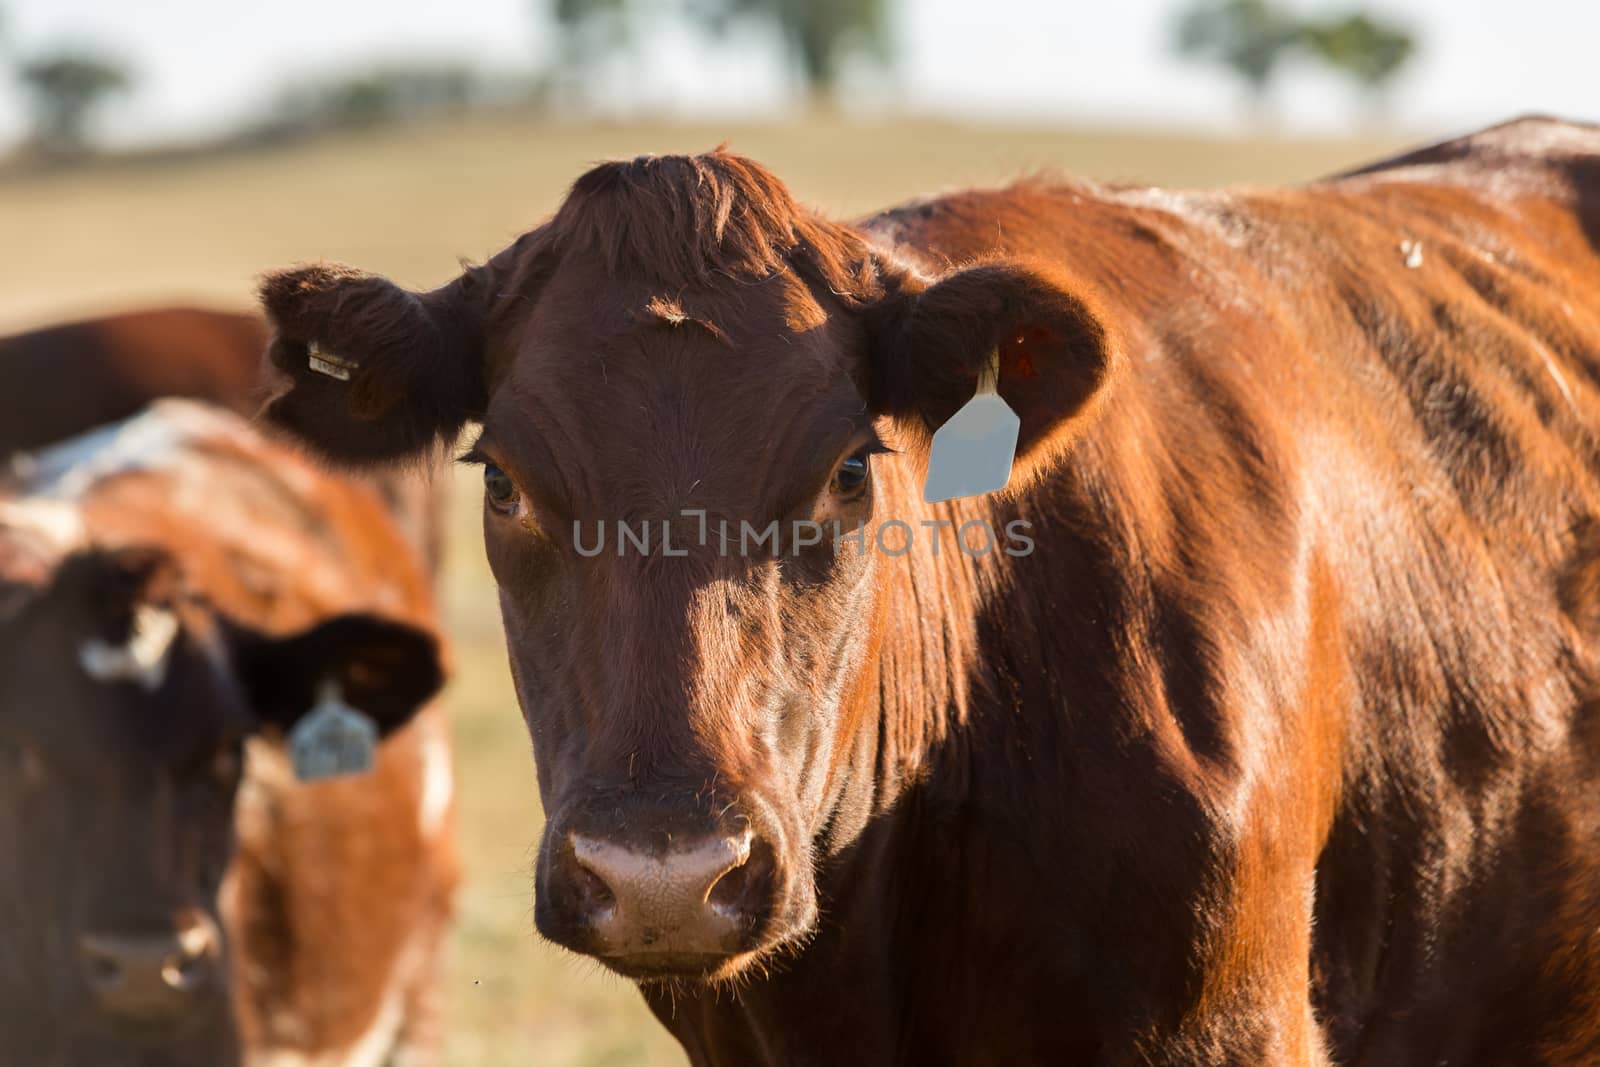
(1056, 346)
(386, 669)
(374, 372)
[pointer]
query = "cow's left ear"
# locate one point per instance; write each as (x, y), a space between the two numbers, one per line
(371, 372)
(1056, 345)
(386, 669)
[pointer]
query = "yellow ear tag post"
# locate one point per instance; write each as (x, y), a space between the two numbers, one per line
(322, 361)
(973, 452)
(332, 739)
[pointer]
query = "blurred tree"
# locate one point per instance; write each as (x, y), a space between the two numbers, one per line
(63, 90)
(386, 94)
(1252, 38)
(817, 35)
(1368, 49)
(590, 30)
(1249, 37)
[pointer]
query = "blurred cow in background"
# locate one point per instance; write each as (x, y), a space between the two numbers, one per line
(175, 590)
(63, 379)
(96, 371)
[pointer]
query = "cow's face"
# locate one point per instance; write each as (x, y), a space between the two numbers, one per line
(124, 707)
(665, 464)
(685, 631)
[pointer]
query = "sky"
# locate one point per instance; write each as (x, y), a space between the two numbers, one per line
(204, 65)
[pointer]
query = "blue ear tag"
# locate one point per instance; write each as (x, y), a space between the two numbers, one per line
(973, 452)
(332, 739)
(322, 361)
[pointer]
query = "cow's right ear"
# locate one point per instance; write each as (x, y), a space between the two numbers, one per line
(375, 372)
(387, 669)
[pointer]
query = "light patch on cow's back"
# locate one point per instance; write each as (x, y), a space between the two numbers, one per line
(55, 523)
(1214, 211)
(162, 437)
(35, 535)
(199, 477)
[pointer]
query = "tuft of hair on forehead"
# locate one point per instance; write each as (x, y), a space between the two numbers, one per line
(679, 220)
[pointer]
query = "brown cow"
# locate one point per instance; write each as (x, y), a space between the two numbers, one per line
(171, 587)
(96, 371)
(1258, 722)
(65, 379)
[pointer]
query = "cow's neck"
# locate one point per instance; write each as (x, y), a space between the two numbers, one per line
(913, 699)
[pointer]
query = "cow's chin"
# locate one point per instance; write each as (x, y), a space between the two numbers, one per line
(695, 970)
(781, 939)
(671, 968)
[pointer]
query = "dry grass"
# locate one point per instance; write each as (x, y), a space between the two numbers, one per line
(409, 203)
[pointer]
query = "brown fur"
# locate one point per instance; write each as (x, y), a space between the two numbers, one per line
(95, 371)
(1279, 748)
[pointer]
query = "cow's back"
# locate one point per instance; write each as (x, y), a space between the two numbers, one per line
(75, 375)
(63, 380)
(1350, 480)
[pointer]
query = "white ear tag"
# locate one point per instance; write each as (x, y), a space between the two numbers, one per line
(332, 739)
(322, 361)
(973, 452)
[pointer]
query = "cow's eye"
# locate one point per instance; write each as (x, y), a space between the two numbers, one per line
(21, 763)
(225, 764)
(217, 767)
(500, 489)
(850, 479)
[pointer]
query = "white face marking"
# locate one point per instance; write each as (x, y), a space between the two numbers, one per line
(371, 1049)
(143, 659)
(438, 780)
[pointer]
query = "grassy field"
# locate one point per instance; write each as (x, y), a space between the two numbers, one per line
(410, 203)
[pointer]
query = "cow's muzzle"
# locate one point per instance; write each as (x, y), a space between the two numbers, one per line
(652, 896)
(149, 979)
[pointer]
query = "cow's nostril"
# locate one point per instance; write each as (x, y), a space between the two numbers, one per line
(726, 895)
(741, 894)
(104, 972)
(149, 978)
(595, 897)
(186, 969)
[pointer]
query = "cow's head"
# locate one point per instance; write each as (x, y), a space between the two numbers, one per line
(124, 706)
(682, 348)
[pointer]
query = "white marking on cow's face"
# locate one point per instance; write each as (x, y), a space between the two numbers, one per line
(438, 780)
(142, 659)
(371, 1049)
